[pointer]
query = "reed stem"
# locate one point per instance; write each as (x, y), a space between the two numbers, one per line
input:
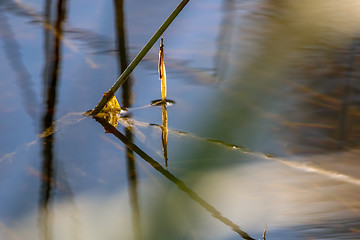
(162, 71)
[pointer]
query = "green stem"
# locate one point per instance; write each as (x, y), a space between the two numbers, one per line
(108, 95)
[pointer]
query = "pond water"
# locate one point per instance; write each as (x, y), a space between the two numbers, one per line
(263, 134)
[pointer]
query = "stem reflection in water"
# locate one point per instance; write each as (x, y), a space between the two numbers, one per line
(127, 100)
(13, 54)
(51, 77)
(164, 133)
(179, 183)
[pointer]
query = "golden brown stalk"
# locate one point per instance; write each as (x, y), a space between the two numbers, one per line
(162, 71)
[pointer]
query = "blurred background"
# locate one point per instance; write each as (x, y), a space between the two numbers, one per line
(265, 128)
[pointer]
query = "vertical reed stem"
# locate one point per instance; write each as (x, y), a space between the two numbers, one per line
(162, 71)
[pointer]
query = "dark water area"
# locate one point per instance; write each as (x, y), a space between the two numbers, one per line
(261, 129)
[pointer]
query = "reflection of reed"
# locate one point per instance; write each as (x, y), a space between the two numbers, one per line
(346, 101)
(51, 81)
(127, 99)
(180, 184)
(164, 133)
(226, 36)
(23, 78)
(47, 40)
(122, 51)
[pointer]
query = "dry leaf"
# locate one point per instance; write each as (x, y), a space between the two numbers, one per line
(112, 105)
(111, 112)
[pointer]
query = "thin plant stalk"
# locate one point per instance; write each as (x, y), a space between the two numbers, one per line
(162, 71)
(108, 95)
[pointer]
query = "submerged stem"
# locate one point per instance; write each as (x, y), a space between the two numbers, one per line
(108, 95)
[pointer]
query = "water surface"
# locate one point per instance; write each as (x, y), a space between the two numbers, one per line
(264, 130)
